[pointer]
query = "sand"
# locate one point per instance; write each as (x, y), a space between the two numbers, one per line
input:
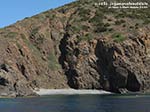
(68, 91)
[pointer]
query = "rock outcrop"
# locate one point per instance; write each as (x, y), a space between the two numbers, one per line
(80, 45)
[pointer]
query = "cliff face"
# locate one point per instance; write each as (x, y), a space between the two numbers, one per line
(80, 45)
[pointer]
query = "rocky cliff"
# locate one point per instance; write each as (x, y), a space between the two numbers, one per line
(80, 45)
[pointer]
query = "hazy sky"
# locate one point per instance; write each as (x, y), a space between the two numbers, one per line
(14, 10)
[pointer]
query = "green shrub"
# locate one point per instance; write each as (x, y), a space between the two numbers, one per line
(124, 25)
(34, 31)
(30, 45)
(119, 22)
(109, 19)
(40, 18)
(78, 27)
(106, 24)
(98, 18)
(118, 37)
(53, 63)
(84, 27)
(19, 45)
(75, 28)
(87, 37)
(121, 15)
(40, 39)
(136, 24)
(23, 36)
(131, 27)
(84, 12)
(12, 34)
(110, 29)
(100, 28)
(49, 15)
(146, 21)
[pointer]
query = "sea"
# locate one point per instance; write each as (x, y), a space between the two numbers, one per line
(77, 103)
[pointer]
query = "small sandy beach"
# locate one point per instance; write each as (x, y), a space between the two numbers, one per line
(68, 91)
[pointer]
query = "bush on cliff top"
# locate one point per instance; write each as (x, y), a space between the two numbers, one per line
(118, 37)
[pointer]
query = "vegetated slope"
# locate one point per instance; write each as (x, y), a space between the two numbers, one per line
(80, 45)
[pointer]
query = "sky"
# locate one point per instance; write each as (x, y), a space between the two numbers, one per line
(14, 10)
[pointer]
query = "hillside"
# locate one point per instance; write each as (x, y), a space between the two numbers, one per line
(80, 45)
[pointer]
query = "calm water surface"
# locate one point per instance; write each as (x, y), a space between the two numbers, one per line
(78, 103)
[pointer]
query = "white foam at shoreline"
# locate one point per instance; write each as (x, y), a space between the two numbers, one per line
(68, 91)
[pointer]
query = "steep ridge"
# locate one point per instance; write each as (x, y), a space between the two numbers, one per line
(80, 45)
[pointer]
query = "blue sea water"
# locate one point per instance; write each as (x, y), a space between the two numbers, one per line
(77, 103)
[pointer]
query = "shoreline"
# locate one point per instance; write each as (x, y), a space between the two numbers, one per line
(42, 92)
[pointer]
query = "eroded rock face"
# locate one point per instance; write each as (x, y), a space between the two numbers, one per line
(10, 85)
(121, 72)
(117, 67)
(76, 47)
